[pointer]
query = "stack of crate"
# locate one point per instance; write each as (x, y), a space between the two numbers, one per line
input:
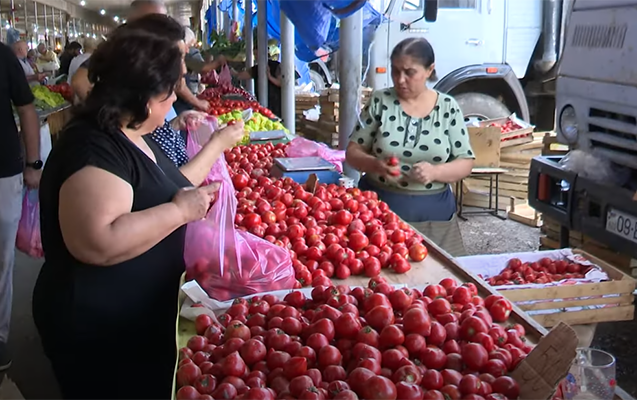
(326, 128)
(303, 102)
(550, 239)
(516, 159)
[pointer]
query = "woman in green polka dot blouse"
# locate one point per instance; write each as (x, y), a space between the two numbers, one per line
(425, 130)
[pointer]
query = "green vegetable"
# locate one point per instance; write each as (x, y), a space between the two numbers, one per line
(44, 98)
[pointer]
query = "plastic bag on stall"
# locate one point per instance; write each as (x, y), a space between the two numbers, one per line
(225, 261)
(28, 239)
(300, 147)
(595, 167)
(225, 77)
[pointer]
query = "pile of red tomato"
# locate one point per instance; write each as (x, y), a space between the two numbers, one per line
(348, 343)
(544, 271)
(64, 89)
(332, 232)
(219, 106)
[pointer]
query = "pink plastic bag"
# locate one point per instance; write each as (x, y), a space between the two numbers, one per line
(226, 262)
(225, 77)
(301, 147)
(28, 240)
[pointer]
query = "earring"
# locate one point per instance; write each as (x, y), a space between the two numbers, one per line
(149, 110)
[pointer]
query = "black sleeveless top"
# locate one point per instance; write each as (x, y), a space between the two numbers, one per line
(73, 299)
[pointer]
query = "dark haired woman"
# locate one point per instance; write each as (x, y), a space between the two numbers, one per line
(113, 215)
(425, 130)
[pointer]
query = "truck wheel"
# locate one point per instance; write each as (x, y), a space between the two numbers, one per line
(480, 107)
(317, 80)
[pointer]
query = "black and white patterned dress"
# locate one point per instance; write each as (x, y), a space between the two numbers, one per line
(171, 143)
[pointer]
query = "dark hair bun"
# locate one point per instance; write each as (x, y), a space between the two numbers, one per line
(417, 48)
(133, 66)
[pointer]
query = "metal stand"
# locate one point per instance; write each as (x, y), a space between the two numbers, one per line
(494, 176)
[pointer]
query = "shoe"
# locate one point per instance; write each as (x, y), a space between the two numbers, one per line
(5, 357)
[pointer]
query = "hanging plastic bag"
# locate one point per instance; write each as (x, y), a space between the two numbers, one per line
(225, 77)
(300, 147)
(226, 262)
(28, 240)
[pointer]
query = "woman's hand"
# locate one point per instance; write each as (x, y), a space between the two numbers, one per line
(382, 168)
(188, 119)
(194, 203)
(201, 105)
(229, 136)
(424, 172)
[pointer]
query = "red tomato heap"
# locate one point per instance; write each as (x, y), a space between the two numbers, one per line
(333, 232)
(508, 126)
(544, 271)
(351, 343)
(219, 106)
(64, 89)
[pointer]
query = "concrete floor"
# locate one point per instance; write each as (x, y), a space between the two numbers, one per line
(32, 374)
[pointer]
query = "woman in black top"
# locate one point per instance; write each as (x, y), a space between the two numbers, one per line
(113, 215)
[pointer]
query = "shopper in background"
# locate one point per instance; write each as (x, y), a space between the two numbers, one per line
(47, 59)
(425, 130)
(273, 73)
(88, 48)
(195, 65)
(14, 92)
(20, 49)
(32, 57)
(71, 51)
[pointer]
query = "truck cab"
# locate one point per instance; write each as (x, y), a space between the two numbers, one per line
(487, 51)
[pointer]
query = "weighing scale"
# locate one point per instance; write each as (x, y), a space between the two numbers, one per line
(299, 169)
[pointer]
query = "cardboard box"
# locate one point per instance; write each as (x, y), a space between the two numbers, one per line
(485, 142)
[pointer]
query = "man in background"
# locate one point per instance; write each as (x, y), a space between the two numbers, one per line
(21, 50)
(139, 8)
(89, 47)
(71, 51)
(47, 59)
(15, 168)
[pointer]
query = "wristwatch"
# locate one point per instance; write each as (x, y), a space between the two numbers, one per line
(37, 164)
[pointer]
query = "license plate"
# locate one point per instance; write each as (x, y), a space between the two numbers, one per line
(622, 224)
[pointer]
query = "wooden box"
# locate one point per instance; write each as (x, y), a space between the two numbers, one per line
(485, 142)
(522, 135)
(585, 303)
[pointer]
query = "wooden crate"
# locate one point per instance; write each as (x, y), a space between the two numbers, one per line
(551, 240)
(620, 307)
(550, 146)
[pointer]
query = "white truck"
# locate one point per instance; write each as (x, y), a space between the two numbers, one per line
(495, 56)
(596, 113)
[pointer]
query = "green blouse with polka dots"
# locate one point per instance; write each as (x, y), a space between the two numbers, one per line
(385, 130)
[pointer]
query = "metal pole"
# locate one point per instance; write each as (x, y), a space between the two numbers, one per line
(227, 26)
(350, 61)
(262, 56)
(235, 10)
(287, 73)
(249, 39)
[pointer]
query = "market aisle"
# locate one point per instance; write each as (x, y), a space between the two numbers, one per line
(31, 370)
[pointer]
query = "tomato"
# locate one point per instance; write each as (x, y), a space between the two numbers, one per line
(439, 306)
(462, 295)
(225, 391)
(449, 284)
(379, 317)
(471, 326)
(474, 356)
(186, 393)
(391, 336)
(407, 373)
(197, 343)
(253, 351)
(500, 310)
(329, 355)
(451, 377)
(507, 386)
(187, 374)
(361, 351)
(408, 391)
(371, 267)
(433, 395)
(347, 326)
(495, 367)
(418, 252)
(438, 334)
(432, 380)
(202, 322)
(469, 384)
(379, 388)
(237, 329)
(369, 336)
(300, 384)
(346, 395)
(233, 365)
(451, 392)
(399, 264)
(433, 358)
(417, 320)
(358, 378)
